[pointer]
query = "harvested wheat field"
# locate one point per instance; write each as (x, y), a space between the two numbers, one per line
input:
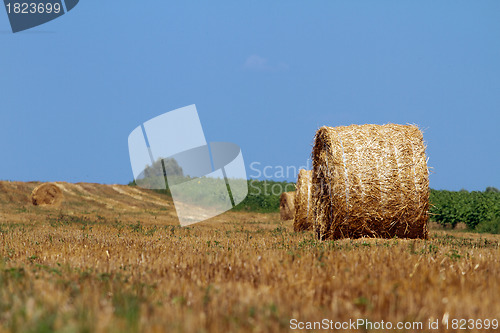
(111, 258)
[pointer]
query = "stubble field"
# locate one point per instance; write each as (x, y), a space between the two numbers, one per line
(112, 259)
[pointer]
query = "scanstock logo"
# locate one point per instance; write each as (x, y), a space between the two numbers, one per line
(26, 14)
(170, 153)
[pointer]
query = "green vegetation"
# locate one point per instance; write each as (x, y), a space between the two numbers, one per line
(480, 211)
(264, 196)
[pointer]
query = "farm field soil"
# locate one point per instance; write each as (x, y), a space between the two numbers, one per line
(111, 258)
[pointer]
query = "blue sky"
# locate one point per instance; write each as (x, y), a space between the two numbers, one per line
(264, 75)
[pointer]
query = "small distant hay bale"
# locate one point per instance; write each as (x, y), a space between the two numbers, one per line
(46, 194)
(303, 202)
(370, 181)
(287, 206)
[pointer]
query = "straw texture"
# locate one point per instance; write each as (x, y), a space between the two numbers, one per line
(287, 206)
(303, 202)
(46, 194)
(370, 181)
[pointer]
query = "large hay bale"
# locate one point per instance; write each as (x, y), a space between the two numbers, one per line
(303, 202)
(287, 206)
(370, 181)
(46, 194)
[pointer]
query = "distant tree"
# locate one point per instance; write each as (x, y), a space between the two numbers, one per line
(172, 168)
(464, 190)
(492, 189)
(153, 176)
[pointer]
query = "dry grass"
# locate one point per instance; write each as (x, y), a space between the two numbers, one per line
(101, 269)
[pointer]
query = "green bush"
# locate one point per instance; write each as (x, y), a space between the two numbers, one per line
(491, 226)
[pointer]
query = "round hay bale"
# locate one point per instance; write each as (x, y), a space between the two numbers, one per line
(303, 202)
(370, 181)
(287, 206)
(46, 194)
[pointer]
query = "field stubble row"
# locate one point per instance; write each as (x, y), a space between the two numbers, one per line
(105, 275)
(93, 265)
